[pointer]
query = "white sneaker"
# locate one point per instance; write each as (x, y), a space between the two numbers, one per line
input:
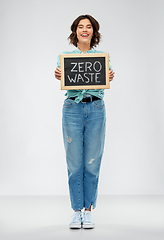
(87, 220)
(76, 220)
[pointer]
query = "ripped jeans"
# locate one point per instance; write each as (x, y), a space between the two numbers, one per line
(84, 135)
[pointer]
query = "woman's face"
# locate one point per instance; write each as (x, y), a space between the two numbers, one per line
(84, 31)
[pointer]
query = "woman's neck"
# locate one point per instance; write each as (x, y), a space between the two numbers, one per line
(84, 47)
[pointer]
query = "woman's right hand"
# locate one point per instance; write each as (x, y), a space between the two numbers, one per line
(57, 73)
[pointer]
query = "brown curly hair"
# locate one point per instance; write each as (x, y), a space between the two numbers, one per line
(96, 35)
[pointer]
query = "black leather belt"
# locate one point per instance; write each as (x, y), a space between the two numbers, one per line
(87, 99)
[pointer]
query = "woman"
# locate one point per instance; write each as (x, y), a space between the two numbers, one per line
(83, 123)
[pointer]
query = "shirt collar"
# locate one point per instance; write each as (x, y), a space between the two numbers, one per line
(89, 51)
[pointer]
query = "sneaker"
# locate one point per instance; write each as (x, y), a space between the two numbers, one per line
(76, 220)
(87, 220)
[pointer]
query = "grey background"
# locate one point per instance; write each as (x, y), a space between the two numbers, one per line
(33, 33)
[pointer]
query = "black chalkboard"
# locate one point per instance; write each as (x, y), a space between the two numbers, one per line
(85, 71)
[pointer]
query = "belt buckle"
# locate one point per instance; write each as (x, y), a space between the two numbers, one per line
(90, 98)
(82, 100)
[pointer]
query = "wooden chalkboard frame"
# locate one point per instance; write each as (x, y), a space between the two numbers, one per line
(91, 55)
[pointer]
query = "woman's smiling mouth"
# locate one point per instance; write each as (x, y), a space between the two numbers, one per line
(84, 35)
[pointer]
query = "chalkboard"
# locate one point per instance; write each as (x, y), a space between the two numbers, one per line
(84, 71)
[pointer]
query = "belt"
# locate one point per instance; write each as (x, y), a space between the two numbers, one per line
(87, 99)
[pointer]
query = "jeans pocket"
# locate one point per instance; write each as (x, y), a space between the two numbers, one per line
(68, 103)
(99, 103)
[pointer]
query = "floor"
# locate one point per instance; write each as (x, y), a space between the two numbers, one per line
(48, 217)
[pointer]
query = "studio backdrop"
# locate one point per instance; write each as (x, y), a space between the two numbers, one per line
(33, 34)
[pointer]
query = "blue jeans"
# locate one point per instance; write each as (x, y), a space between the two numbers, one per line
(84, 135)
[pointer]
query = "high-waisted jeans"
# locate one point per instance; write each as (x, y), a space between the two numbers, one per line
(84, 135)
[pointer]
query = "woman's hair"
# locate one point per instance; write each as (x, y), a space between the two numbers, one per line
(96, 35)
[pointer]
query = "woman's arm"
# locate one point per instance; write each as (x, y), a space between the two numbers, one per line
(57, 73)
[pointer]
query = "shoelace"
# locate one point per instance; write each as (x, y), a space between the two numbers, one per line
(87, 217)
(76, 217)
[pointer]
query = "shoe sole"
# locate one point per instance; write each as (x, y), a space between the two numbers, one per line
(88, 226)
(75, 226)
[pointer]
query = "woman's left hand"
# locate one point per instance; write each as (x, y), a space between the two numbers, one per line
(111, 75)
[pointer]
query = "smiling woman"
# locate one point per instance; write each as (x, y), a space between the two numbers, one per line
(83, 122)
(87, 26)
(84, 31)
